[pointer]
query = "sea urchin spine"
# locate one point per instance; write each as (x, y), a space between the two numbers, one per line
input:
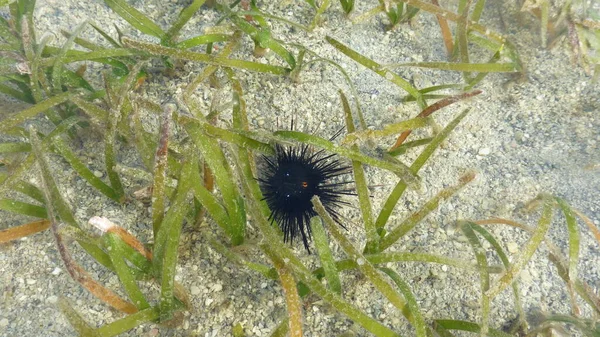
(291, 178)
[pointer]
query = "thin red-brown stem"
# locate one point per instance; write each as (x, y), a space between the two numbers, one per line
(82, 277)
(573, 40)
(590, 224)
(504, 222)
(433, 108)
(445, 28)
(246, 6)
(160, 171)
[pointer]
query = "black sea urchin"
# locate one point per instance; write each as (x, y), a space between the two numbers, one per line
(291, 178)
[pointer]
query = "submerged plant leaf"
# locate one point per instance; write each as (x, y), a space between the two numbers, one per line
(56, 205)
(379, 69)
(418, 216)
(43, 106)
(530, 248)
(80, 325)
(294, 306)
(19, 207)
(325, 255)
(126, 276)
(17, 232)
(365, 267)
(411, 301)
(205, 58)
(136, 18)
(400, 187)
(184, 16)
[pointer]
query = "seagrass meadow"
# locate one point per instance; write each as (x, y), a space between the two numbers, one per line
(132, 142)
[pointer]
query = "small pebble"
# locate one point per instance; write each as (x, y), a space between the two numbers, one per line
(3, 322)
(195, 290)
(52, 299)
(512, 247)
(462, 238)
(526, 277)
(98, 174)
(31, 281)
(56, 271)
(519, 136)
(484, 151)
(472, 304)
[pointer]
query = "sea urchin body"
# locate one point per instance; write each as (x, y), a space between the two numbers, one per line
(291, 178)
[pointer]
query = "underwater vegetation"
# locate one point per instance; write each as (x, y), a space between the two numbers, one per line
(201, 167)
